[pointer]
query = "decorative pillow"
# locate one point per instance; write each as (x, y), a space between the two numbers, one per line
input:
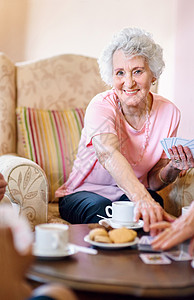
(50, 138)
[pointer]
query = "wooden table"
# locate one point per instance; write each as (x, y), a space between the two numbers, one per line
(115, 273)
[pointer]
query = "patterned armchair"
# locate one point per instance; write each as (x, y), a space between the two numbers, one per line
(42, 106)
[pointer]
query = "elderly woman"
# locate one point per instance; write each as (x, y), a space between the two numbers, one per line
(120, 156)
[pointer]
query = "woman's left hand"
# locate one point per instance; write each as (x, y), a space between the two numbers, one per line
(181, 157)
(173, 234)
(176, 232)
(151, 212)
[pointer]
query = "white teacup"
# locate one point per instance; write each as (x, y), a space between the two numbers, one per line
(51, 238)
(122, 212)
(185, 209)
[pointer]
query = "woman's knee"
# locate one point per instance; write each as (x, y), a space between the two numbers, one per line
(82, 207)
(156, 197)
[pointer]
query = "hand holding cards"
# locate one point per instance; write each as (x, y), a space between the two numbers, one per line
(175, 141)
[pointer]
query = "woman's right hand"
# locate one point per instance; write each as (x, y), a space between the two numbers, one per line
(3, 185)
(151, 212)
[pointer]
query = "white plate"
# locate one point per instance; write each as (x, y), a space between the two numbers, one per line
(71, 249)
(110, 246)
(113, 224)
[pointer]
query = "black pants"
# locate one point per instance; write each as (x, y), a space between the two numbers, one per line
(83, 207)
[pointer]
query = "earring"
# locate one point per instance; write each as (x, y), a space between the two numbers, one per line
(154, 82)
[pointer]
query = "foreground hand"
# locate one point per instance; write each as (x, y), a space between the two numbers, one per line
(181, 157)
(3, 185)
(176, 232)
(151, 212)
(13, 268)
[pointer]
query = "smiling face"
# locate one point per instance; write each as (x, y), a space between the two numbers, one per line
(132, 79)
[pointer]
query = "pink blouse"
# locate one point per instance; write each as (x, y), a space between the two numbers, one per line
(104, 115)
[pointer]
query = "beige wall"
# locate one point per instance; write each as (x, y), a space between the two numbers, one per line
(33, 29)
(184, 67)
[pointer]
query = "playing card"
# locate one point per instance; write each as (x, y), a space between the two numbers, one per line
(180, 141)
(144, 244)
(189, 143)
(164, 145)
(192, 151)
(169, 142)
(178, 255)
(155, 259)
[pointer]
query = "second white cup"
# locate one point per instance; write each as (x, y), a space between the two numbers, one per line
(51, 238)
(122, 212)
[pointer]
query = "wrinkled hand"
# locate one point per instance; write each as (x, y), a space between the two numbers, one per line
(13, 268)
(3, 185)
(181, 158)
(151, 212)
(176, 232)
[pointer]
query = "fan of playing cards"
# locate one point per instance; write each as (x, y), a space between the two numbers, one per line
(175, 141)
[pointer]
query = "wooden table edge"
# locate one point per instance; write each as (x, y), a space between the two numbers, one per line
(107, 288)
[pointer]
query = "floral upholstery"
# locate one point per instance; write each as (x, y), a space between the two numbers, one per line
(27, 187)
(60, 82)
(57, 83)
(7, 106)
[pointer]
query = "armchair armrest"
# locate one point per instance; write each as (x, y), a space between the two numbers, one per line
(178, 194)
(27, 187)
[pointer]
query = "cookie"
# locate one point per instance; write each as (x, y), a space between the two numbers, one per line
(97, 232)
(122, 235)
(102, 239)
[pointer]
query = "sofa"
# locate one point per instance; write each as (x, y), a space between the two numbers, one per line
(42, 106)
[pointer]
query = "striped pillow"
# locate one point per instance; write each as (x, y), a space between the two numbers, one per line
(50, 138)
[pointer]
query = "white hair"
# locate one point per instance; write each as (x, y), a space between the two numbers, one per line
(133, 42)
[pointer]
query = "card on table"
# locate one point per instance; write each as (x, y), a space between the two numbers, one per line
(155, 259)
(178, 255)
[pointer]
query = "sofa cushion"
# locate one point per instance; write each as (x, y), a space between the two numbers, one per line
(50, 138)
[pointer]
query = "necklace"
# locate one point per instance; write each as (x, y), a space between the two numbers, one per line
(146, 135)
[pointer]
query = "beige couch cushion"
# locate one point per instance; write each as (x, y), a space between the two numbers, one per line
(7, 106)
(61, 82)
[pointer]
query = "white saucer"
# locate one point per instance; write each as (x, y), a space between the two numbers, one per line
(192, 264)
(71, 249)
(113, 224)
(110, 246)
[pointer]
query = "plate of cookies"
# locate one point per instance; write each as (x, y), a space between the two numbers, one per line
(112, 239)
